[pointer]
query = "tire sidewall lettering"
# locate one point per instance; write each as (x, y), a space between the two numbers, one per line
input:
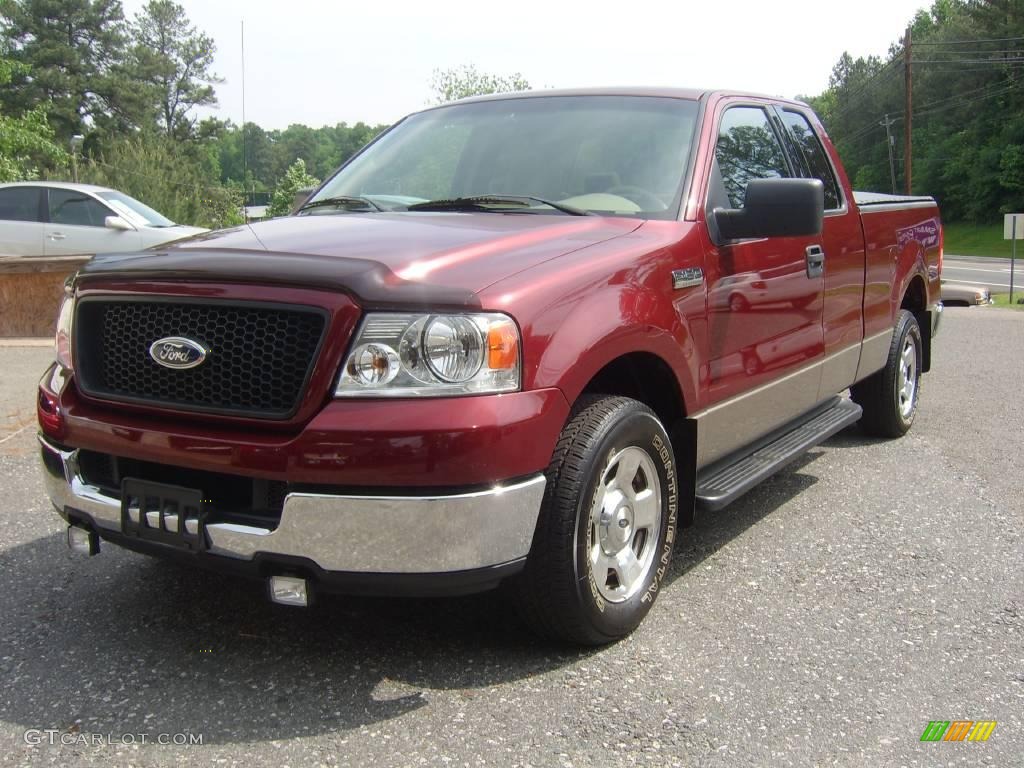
(663, 454)
(656, 445)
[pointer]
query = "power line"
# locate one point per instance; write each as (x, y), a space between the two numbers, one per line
(162, 181)
(851, 98)
(873, 77)
(871, 126)
(968, 42)
(933, 107)
(858, 148)
(973, 99)
(989, 90)
(978, 51)
(994, 62)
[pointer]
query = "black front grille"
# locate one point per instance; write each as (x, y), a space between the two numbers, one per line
(260, 358)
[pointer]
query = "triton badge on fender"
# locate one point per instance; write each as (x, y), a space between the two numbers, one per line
(178, 352)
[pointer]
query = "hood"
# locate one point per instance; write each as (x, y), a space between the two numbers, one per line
(380, 257)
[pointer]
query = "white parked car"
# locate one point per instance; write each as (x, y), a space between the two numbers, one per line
(51, 218)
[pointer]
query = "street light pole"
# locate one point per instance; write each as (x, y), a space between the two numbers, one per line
(76, 143)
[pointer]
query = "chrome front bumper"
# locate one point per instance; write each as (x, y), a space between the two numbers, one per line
(353, 534)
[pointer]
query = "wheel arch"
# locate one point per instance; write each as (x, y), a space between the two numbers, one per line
(646, 377)
(915, 301)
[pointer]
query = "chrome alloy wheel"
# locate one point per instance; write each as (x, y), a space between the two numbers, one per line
(625, 521)
(907, 385)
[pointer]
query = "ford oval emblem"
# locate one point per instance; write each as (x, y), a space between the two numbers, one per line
(178, 352)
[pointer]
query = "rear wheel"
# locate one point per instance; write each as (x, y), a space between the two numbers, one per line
(889, 397)
(607, 525)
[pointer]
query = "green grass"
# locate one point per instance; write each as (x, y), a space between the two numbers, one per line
(1003, 299)
(979, 240)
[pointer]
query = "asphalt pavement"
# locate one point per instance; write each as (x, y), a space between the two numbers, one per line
(992, 273)
(824, 619)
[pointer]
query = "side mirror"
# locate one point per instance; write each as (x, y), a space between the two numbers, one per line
(301, 196)
(118, 223)
(775, 208)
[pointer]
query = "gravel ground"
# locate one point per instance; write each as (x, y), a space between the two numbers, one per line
(823, 619)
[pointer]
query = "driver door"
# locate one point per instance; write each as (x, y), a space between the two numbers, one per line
(765, 334)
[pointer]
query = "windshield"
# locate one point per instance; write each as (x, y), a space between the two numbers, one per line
(139, 214)
(612, 155)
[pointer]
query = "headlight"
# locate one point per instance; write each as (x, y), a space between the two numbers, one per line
(412, 355)
(62, 339)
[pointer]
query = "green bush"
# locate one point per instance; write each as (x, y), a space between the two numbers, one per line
(295, 178)
(168, 176)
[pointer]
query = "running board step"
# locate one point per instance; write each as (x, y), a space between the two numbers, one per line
(724, 482)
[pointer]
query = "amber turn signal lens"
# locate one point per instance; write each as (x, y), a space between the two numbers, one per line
(502, 346)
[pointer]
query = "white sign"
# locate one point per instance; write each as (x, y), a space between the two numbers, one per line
(1008, 220)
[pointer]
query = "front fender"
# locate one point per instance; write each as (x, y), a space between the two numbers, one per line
(618, 320)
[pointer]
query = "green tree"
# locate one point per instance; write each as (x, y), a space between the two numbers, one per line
(462, 82)
(26, 142)
(268, 154)
(172, 59)
(71, 50)
(968, 109)
(295, 178)
(167, 175)
(246, 155)
(295, 141)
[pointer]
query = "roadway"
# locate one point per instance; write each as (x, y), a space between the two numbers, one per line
(992, 273)
(823, 619)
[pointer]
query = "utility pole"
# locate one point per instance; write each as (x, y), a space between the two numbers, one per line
(908, 123)
(891, 141)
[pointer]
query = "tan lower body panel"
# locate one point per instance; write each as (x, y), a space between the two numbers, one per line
(728, 426)
(733, 423)
(873, 354)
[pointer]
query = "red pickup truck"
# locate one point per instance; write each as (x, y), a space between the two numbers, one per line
(516, 340)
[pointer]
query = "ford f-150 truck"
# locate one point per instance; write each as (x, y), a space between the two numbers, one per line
(516, 340)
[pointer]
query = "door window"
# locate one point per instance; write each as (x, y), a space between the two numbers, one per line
(806, 141)
(747, 149)
(19, 203)
(76, 208)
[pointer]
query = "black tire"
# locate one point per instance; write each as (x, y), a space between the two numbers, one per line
(888, 410)
(558, 594)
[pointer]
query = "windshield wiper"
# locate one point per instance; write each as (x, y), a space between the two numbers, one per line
(492, 202)
(341, 201)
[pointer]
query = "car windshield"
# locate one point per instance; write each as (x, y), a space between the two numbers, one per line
(137, 213)
(610, 155)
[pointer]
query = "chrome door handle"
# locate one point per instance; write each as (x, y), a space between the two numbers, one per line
(57, 236)
(815, 261)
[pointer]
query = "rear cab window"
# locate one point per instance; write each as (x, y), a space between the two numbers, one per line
(811, 155)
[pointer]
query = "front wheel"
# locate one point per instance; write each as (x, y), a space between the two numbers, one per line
(607, 525)
(889, 397)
